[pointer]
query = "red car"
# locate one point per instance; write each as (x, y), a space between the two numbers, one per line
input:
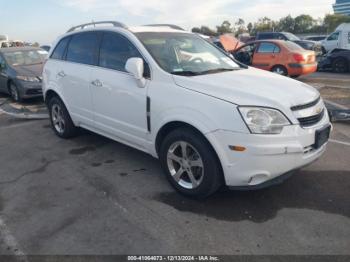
(282, 57)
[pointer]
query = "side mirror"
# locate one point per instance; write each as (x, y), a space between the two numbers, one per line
(2, 66)
(135, 67)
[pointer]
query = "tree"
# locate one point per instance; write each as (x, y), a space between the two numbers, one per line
(303, 24)
(331, 22)
(240, 26)
(264, 24)
(205, 30)
(224, 28)
(286, 24)
(250, 28)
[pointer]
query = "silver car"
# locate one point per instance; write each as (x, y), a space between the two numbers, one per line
(21, 72)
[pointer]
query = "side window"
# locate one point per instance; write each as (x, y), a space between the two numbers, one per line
(266, 36)
(115, 50)
(280, 37)
(60, 49)
(268, 48)
(82, 48)
(333, 36)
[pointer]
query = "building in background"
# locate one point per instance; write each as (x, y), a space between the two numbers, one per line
(342, 7)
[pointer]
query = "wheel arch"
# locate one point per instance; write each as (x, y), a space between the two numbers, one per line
(50, 94)
(172, 125)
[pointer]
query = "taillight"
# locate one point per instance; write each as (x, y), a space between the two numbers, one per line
(299, 58)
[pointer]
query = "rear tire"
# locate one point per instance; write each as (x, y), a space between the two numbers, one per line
(190, 163)
(340, 65)
(280, 70)
(61, 121)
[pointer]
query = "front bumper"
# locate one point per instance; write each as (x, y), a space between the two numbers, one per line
(266, 156)
(30, 89)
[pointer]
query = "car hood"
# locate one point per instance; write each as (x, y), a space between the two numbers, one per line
(251, 87)
(29, 70)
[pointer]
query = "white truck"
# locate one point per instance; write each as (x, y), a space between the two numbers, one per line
(339, 39)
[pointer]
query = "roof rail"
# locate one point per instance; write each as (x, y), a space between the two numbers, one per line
(114, 23)
(176, 27)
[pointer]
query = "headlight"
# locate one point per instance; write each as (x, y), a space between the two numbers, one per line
(261, 120)
(28, 78)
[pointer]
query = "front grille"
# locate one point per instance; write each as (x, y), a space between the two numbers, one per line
(311, 104)
(311, 120)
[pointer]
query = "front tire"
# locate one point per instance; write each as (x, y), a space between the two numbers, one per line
(340, 65)
(190, 163)
(14, 93)
(61, 121)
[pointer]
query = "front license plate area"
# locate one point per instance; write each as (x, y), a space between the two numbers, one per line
(322, 137)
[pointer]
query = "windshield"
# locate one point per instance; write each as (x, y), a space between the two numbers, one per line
(291, 37)
(185, 54)
(25, 57)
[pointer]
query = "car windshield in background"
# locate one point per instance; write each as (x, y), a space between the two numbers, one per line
(292, 37)
(293, 46)
(185, 54)
(25, 57)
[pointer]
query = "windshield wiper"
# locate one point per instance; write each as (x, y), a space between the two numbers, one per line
(184, 73)
(217, 70)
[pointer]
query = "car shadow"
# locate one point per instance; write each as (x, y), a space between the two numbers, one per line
(326, 191)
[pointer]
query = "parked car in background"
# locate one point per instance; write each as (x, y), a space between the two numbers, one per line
(306, 44)
(316, 38)
(45, 47)
(337, 60)
(21, 72)
(227, 42)
(339, 39)
(171, 94)
(278, 56)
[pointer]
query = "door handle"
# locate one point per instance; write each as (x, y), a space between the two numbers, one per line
(97, 83)
(61, 74)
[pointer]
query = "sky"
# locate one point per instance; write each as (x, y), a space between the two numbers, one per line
(44, 20)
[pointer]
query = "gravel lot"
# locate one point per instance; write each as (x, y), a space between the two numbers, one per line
(93, 196)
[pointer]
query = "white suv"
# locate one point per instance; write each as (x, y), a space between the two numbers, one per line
(210, 120)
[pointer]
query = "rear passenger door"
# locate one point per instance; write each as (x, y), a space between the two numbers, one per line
(75, 75)
(119, 104)
(266, 55)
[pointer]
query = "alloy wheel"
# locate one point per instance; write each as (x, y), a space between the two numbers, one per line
(185, 165)
(57, 118)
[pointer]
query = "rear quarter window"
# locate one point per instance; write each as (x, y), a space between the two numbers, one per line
(60, 49)
(82, 48)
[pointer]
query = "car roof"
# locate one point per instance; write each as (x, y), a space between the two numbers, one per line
(133, 29)
(14, 49)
